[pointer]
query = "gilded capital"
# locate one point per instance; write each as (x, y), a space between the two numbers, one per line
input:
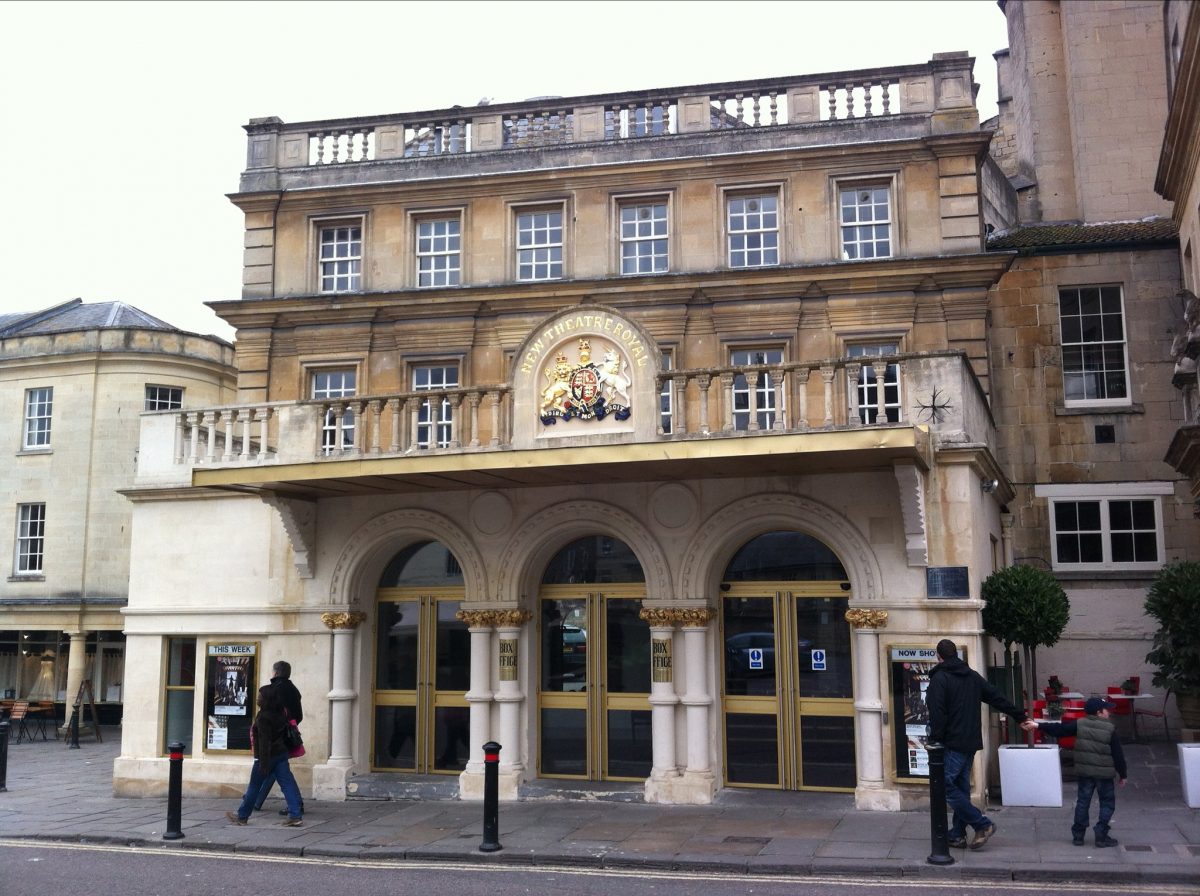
(860, 618)
(497, 618)
(350, 619)
(688, 617)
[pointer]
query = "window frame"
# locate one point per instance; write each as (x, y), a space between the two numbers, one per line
(753, 191)
(637, 240)
(444, 424)
(27, 543)
(37, 425)
(549, 207)
(170, 403)
(418, 219)
(187, 737)
(1105, 494)
(666, 395)
(882, 181)
(358, 278)
(1102, 343)
(349, 419)
(867, 385)
(767, 412)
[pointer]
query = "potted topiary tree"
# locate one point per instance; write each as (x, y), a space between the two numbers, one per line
(1174, 602)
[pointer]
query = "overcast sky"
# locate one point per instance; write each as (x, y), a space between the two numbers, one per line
(122, 122)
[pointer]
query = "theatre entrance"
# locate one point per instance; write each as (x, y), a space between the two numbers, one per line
(421, 718)
(593, 665)
(787, 695)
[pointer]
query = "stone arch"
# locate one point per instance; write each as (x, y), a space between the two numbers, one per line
(536, 540)
(728, 529)
(369, 548)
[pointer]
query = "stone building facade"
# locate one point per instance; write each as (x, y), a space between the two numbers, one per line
(75, 379)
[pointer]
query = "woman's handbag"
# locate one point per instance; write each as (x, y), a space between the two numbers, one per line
(293, 740)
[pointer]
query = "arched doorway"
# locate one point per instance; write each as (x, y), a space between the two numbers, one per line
(787, 691)
(593, 664)
(421, 718)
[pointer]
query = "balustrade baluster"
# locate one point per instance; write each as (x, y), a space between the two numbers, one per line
(887, 97)
(495, 440)
(901, 376)
(634, 128)
(474, 398)
(247, 418)
(455, 421)
(727, 394)
(779, 409)
(850, 105)
(229, 418)
(394, 407)
(802, 397)
(703, 381)
(881, 394)
(755, 99)
(262, 415)
(773, 108)
(194, 446)
(413, 407)
(335, 412)
(868, 99)
(320, 146)
(827, 374)
(752, 378)
(180, 430)
(679, 405)
(832, 98)
(853, 375)
(210, 421)
(376, 426)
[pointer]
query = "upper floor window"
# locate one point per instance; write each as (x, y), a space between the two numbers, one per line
(439, 251)
(164, 398)
(1103, 526)
(1093, 345)
(866, 221)
(666, 395)
(643, 237)
(752, 225)
(31, 539)
(874, 375)
(435, 418)
(341, 254)
(333, 384)
(540, 245)
(762, 392)
(39, 405)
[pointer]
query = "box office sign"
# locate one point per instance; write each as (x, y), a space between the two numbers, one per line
(230, 676)
(660, 659)
(508, 659)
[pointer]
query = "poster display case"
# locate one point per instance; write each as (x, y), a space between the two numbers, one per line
(230, 676)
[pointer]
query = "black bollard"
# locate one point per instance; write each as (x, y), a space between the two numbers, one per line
(491, 798)
(175, 792)
(73, 743)
(4, 729)
(940, 854)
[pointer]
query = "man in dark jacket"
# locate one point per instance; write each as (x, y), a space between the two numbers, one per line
(1098, 759)
(289, 696)
(954, 695)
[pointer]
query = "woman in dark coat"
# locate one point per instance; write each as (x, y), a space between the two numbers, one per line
(270, 758)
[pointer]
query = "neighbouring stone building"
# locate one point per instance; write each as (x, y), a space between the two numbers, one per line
(1082, 325)
(74, 380)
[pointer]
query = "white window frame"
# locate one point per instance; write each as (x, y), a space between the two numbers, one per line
(850, 233)
(763, 233)
(644, 235)
(163, 398)
(438, 256)
(39, 417)
(868, 381)
(435, 430)
(331, 391)
(765, 389)
(666, 396)
(1097, 356)
(539, 246)
(1105, 494)
(29, 556)
(341, 270)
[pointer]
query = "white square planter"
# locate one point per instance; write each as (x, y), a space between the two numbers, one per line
(1030, 776)
(1189, 773)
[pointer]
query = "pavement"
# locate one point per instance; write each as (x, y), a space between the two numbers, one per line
(55, 793)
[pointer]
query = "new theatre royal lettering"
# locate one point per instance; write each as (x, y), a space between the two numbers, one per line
(660, 659)
(617, 330)
(508, 659)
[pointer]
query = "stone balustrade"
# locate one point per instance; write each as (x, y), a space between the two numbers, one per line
(937, 390)
(943, 85)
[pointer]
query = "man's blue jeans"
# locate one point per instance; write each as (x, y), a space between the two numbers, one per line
(958, 795)
(1083, 803)
(278, 766)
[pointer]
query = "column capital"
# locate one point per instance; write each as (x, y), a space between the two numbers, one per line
(687, 617)
(498, 618)
(345, 620)
(860, 618)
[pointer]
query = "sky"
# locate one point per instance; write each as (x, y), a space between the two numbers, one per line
(122, 121)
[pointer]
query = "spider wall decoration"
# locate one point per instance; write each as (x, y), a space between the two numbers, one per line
(934, 410)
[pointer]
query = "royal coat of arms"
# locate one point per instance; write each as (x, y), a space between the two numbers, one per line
(586, 390)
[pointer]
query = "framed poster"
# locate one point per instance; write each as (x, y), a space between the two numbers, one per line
(230, 686)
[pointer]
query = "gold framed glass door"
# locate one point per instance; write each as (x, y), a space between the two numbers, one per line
(422, 673)
(593, 684)
(787, 695)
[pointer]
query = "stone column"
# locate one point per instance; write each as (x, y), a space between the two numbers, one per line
(329, 780)
(868, 713)
(1006, 538)
(699, 782)
(76, 662)
(479, 696)
(663, 700)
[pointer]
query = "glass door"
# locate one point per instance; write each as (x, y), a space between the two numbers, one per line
(594, 684)
(422, 673)
(787, 694)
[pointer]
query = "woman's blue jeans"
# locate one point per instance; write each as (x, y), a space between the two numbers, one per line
(958, 795)
(282, 772)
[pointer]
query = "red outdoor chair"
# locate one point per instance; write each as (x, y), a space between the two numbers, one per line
(1153, 714)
